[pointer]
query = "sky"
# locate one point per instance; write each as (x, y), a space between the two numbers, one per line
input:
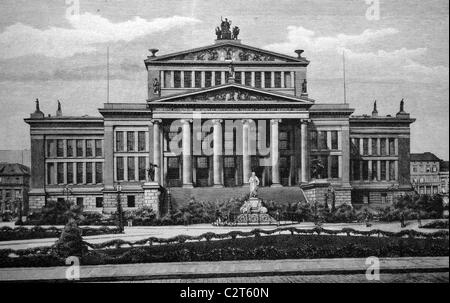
(56, 50)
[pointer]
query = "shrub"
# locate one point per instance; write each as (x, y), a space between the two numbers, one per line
(436, 225)
(71, 242)
(142, 216)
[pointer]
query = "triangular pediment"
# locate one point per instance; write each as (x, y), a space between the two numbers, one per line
(227, 51)
(233, 93)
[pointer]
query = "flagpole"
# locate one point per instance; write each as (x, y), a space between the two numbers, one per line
(107, 74)
(343, 67)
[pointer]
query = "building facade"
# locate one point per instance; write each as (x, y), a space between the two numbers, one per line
(14, 187)
(214, 115)
(429, 174)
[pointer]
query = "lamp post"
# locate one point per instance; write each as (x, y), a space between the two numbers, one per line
(119, 208)
(20, 211)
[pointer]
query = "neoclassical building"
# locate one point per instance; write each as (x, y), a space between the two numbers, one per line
(214, 115)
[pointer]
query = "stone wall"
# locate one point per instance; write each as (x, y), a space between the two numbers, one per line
(316, 192)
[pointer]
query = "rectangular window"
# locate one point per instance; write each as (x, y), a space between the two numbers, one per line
(79, 173)
(89, 178)
(365, 170)
(267, 79)
(50, 173)
(218, 78)
(277, 79)
(357, 144)
(173, 168)
(119, 141)
(284, 141)
(130, 141)
(365, 146)
(119, 168)
(51, 148)
(238, 77)
(335, 167)
(258, 79)
(287, 79)
(187, 79)
(60, 173)
(60, 148)
(313, 139)
(248, 78)
(89, 148)
(98, 172)
(70, 148)
(131, 201)
(334, 140)
(79, 148)
(130, 162)
(198, 79)
(208, 79)
(391, 147)
(374, 147)
(383, 146)
(98, 202)
(356, 168)
(142, 168)
(141, 141)
(80, 201)
(167, 79)
(98, 148)
(323, 144)
(177, 78)
(69, 173)
(382, 170)
(391, 170)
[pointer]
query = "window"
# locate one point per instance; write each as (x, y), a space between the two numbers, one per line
(218, 78)
(229, 162)
(51, 148)
(258, 79)
(434, 169)
(323, 140)
(69, 173)
(334, 140)
(208, 79)
(374, 147)
(130, 141)
(130, 169)
(284, 167)
(277, 79)
(374, 170)
(356, 166)
(60, 173)
(284, 140)
(198, 79)
(131, 201)
(119, 141)
(60, 148)
(98, 172)
(98, 202)
(177, 78)
(187, 79)
(173, 170)
(383, 146)
(142, 168)
(365, 170)
(89, 148)
(267, 79)
(79, 148)
(391, 170)
(391, 146)
(357, 143)
(89, 178)
(313, 139)
(248, 78)
(415, 169)
(365, 146)
(98, 148)
(287, 79)
(383, 198)
(50, 173)
(334, 167)
(60, 201)
(79, 172)
(80, 201)
(119, 168)
(141, 141)
(383, 170)
(70, 147)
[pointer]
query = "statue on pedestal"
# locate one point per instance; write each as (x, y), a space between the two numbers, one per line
(253, 182)
(156, 86)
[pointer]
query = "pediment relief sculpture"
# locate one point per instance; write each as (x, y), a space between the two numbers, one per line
(226, 53)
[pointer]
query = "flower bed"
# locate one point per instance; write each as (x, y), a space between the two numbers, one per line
(436, 225)
(37, 232)
(237, 245)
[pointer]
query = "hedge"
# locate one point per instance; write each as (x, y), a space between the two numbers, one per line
(37, 232)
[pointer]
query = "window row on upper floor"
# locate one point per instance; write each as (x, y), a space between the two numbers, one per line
(199, 79)
(131, 141)
(84, 148)
(375, 146)
(418, 168)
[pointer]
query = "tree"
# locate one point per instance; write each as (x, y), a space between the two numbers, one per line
(70, 242)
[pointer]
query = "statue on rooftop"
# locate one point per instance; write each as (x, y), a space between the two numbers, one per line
(224, 31)
(235, 32)
(304, 87)
(37, 105)
(402, 105)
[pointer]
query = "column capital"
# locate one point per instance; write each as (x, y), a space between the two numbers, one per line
(155, 121)
(305, 121)
(247, 121)
(217, 121)
(275, 121)
(186, 121)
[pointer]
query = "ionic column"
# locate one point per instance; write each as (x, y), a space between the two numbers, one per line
(172, 79)
(263, 79)
(202, 79)
(275, 152)
(246, 160)
(182, 79)
(157, 156)
(272, 79)
(192, 79)
(187, 154)
(213, 78)
(222, 76)
(252, 79)
(292, 80)
(282, 80)
(217, 150)
(304, 151)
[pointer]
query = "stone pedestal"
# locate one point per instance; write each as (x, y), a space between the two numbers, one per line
(316, 191)
(151, 196)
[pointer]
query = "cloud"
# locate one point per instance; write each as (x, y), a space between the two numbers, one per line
(325, 53)
(87, 30)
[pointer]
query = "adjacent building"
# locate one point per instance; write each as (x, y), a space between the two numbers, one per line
(214, 115)
(425, 173)
(14, 187)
